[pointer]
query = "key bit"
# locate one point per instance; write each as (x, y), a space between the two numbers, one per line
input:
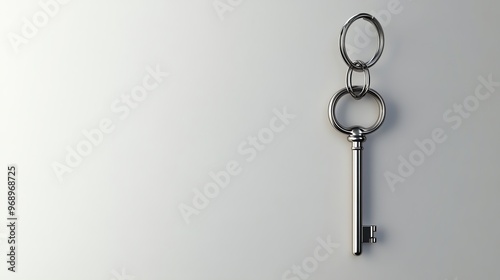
(369, 234)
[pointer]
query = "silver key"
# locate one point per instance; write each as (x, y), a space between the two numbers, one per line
(360, 234)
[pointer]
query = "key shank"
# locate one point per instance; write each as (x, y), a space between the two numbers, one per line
(360, 233)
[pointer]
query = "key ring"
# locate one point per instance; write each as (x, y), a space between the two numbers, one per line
(348, 80)
(349, 130)
(381, 41)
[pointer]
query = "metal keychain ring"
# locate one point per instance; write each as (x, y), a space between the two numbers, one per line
(348, 130)
(366, 80)
(381, 40)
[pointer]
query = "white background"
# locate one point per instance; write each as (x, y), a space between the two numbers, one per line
(116, 215)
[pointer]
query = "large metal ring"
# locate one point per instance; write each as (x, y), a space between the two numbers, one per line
(348, 80)
(348, 130)
(343, 34)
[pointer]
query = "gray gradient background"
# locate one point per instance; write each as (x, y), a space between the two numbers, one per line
(117, 212)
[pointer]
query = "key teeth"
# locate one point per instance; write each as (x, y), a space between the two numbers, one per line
(369, 234)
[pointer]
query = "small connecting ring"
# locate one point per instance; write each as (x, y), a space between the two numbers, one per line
(348, 80)
(349, 130)
(343, 34)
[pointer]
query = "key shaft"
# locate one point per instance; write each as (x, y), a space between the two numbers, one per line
(356, 138)
(360, 233)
